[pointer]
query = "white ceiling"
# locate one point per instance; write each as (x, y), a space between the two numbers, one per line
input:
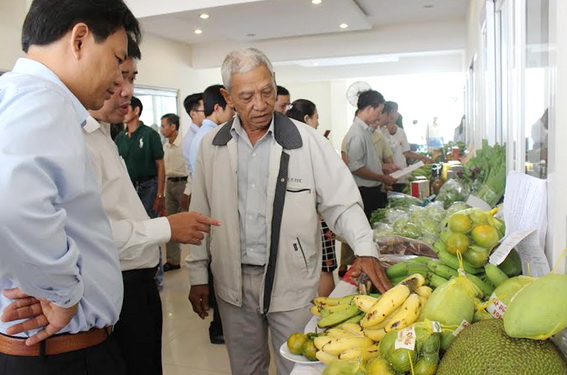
(275, 24)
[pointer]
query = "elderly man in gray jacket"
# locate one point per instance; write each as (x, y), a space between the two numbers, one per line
(267, 178)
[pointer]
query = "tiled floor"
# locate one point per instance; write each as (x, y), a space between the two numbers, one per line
(186, 346)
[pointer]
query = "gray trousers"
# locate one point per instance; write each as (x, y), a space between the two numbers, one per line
(246, 329)
(173, 193)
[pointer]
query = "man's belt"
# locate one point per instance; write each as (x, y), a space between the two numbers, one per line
(54, 345)
(177, 179)
(141, 180)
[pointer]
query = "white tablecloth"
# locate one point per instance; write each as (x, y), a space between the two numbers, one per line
(342, 289)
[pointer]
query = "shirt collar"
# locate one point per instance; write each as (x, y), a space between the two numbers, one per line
(361, 124)
(209, 123)
(177, 143)
(35, 68)
(237, 128)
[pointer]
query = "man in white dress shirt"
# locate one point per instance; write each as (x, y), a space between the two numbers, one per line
(137, 236)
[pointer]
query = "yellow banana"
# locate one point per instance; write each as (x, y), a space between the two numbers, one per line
(338, 308)
(340, 344)
(389, 302)
(408, 314)
(375, 335)
(315, 310)
(413, 281)
(364, 353)
(424, 291)
(385, 322)
(321, 340)
(333, 301)
(351, 354)
(353, 328)
(372, 351)
(364, 302)
(325, 357)
(337, 332)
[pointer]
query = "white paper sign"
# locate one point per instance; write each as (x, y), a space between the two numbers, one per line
(525, 208)
(496, 308)
(406, 339)
(406, 170)
(476, 202)
(507, 244)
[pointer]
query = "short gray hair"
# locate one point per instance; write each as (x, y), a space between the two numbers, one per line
(243, 61)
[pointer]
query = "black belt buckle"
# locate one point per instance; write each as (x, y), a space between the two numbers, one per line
(177, 179)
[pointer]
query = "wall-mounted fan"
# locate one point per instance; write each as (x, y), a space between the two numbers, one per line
(355, 89)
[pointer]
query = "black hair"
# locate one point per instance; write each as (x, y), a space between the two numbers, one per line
(301, 108)
(388, 107)
(211, 96)
(136, 103)
(172, 119)
(282, 90)
(191, 102)
(133, 48)
(369, 98)
(394, 105)
(49, 20)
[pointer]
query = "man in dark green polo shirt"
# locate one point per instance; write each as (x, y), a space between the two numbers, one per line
(140, 147)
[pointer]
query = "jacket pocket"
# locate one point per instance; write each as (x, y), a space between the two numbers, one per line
(300, 253)
(298, 190)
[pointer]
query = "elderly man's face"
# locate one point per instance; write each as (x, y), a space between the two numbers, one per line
(253, 96)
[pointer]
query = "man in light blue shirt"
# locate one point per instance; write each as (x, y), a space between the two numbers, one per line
(194, 107)
(217, 112)
(57, 242)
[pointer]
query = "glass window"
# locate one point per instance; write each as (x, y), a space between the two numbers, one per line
(537, 90)
(157, 102)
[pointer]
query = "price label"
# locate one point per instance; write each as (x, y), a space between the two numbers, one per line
(464, 324)
(436, 327)
(406, 339)
(497, 308)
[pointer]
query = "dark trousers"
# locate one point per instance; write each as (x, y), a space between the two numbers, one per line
(139, 328)
(101, 359)
(372, 198)
(215, 328)
(147, 192)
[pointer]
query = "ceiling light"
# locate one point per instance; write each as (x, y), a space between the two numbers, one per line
(316, 2)
(198, 31)
(343, 25)
(204, 16)
(428, 6)
(315, 64)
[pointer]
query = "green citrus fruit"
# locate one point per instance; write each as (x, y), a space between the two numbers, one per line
(309, 350)
(460, 223)
(457, 242)
(486, 236)
(295, 342)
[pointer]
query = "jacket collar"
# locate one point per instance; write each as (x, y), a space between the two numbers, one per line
(285, 133)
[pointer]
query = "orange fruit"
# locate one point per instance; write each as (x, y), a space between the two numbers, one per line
(457, 242)
(460, 223)
(295, 342)
(486, 236)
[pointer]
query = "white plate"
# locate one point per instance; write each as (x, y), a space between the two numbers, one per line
(284, 351)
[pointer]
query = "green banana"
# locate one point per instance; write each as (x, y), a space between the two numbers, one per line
(423, 259)
(406, 268)
(434, 280)
(333, 301)
(397, 280)
(495, 274)
(451, 260)
(512, 265)
(485, 288)
(338, 317)
(442, 270)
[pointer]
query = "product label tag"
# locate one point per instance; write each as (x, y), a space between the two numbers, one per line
(406, 339)
(464, 324)
(436, 327)
(496, 308)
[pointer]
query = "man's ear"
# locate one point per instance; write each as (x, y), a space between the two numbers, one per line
(226, 96)
(137, 111)
(79, 35)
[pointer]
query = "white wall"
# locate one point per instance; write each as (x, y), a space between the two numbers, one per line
(12, 14)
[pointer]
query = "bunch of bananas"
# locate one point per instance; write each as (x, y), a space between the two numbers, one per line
(355, 334)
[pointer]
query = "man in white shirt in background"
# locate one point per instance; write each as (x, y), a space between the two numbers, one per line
(137, 236)
(398, 141)
(175, 181)
(283, 99)
(194, 107)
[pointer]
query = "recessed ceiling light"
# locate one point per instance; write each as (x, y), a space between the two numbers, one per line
(204, 16)
(315, 64)
(316, 2)
(198, 31)
(251, 35)
(343, 25)
(428, 6)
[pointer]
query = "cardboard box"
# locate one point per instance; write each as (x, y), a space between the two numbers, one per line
(420, 189)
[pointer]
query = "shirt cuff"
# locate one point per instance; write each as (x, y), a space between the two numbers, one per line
(159, 229)
(198, 273)
(366, 250)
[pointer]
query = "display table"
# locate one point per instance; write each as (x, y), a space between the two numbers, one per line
(342, 289)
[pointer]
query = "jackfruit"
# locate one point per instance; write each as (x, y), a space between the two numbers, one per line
(484, 348)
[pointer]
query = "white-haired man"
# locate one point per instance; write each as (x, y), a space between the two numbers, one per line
(267, 178)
